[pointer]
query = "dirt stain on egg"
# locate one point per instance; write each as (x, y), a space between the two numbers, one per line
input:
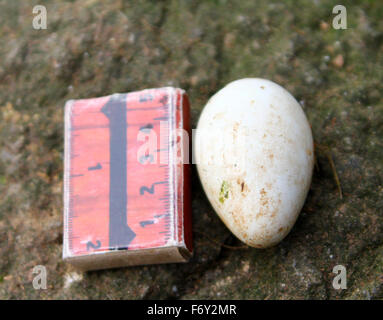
(219, 116)
(264, 200)
(224, 192)
(243, 187)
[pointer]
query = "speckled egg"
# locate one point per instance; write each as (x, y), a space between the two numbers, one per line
(254, 154)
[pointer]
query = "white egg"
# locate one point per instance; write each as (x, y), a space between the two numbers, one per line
(254, 155)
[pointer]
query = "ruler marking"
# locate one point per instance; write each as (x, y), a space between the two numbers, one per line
(145, 97)
(145, 223)
(98, 166)
(161, 118)
(146, 128)
(164, 99)
(146, 108)
(88, 127)
(161, 215)
(76, 175)
(120, 234)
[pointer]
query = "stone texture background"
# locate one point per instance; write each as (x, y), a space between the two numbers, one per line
(95, 48)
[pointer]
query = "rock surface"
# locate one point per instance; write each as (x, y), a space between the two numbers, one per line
(95, 48)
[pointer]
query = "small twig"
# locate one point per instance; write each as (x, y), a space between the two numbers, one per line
(327, 152)
(222, 244)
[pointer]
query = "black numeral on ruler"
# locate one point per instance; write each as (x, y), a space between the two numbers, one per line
(150, 190)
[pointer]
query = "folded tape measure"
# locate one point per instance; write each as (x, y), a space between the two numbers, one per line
(127, 201)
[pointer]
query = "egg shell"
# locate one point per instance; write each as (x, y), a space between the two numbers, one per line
(254, 154)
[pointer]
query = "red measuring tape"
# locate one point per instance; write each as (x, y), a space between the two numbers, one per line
(125, 202)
